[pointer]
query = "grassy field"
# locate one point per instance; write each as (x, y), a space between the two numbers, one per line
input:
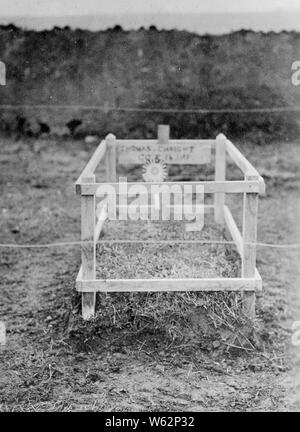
(160, 352)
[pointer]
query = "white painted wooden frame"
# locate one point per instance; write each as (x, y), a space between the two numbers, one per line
(251, 187)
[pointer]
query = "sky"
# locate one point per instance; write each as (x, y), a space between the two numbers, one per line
(90, 7)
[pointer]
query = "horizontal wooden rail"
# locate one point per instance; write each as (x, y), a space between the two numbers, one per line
(171, 142)
(207, 208)
(233, 229)
(91, 165)
(159, 285)
(239, 186)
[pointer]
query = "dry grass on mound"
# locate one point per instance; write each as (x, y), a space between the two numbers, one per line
(153, 259)
(186, 321)
(184, 316)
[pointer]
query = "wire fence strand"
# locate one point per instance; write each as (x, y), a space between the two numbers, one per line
(156, 110)
(171, 241)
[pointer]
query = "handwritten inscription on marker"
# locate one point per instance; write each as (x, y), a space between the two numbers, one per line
(188, 152)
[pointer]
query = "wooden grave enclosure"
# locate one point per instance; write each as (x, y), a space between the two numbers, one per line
(112, 150)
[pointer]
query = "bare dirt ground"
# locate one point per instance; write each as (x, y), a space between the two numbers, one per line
(55, 362)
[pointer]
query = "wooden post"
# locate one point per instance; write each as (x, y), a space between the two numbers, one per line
(163, 134)
(111, 159)
(88, 250)
(220, 175)
(250, 211)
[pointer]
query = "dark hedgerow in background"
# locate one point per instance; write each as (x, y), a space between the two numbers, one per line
(152, 69)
